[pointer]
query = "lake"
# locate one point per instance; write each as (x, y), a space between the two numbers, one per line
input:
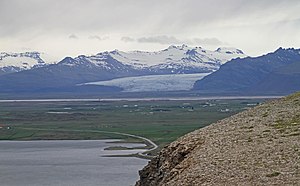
(67, 162)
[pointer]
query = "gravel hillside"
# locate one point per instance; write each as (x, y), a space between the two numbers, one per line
(260, 146)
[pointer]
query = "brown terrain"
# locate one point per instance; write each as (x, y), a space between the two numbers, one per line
(260, 146)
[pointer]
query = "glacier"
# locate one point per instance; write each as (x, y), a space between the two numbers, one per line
(153, 83)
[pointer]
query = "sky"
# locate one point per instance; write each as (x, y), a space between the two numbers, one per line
(74, 27)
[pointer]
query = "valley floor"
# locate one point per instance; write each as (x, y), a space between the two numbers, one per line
(161, 121)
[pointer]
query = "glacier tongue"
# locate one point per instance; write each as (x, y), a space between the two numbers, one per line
(152, 83)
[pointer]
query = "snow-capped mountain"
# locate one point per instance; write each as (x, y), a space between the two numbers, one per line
(174, 59)
(16, 62)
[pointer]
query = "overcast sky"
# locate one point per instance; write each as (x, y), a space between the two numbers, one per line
(73, 27)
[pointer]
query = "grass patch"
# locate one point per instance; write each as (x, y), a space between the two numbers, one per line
(293, 122)
(293, 96)
(273, 174)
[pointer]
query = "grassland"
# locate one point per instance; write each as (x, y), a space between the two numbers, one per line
(160, 121)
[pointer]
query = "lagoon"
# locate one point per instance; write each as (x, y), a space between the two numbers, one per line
(67, 162)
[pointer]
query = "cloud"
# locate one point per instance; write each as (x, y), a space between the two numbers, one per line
(26, 49)
(127, 39)
(73, 36)
(109, 16)
(163, 39)
(96, 37)
(207, 41)
(255, 26)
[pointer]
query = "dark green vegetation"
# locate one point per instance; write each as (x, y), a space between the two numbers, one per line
(160, 121)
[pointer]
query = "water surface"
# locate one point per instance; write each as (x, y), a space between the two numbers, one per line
(66, 162)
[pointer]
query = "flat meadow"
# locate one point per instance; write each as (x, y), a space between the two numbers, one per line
(161, 121)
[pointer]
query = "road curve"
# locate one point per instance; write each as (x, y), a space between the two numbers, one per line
(141, 154)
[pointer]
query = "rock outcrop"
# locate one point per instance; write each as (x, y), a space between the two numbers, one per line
(260, 146)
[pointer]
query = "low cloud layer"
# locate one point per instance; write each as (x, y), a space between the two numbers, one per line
(127, 39)
(73, 36)
(169, 40)
(159, 39)
(208, 41)
(96, 37)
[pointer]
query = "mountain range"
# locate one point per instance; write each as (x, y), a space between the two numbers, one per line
(177, 68)
(36, 75)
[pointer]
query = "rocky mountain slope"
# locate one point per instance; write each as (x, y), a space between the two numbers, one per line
(260, 146)
(277, 72)
(16, 62)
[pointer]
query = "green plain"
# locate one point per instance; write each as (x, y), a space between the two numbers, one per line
(160, 121)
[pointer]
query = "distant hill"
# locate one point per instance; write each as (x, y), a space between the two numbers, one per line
(277, 72)
(259, 146)
(285, 79)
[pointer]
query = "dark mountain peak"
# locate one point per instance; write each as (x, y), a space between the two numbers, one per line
(67, 60)
(33, 54)
(229, 50)
(107, 54)
(81, 56)
(239, 51)
(103, 53)
(179, 47)
(281, 50)
(192, 52)
(115, 52)
(184, 46)
(287, 53)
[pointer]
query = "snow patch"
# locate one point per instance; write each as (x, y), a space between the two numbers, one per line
(14, 62)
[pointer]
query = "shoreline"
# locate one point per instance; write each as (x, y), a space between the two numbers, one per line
(142, 99)
(149, 144)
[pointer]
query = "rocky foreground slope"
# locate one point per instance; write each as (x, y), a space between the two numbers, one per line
(260, 146)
